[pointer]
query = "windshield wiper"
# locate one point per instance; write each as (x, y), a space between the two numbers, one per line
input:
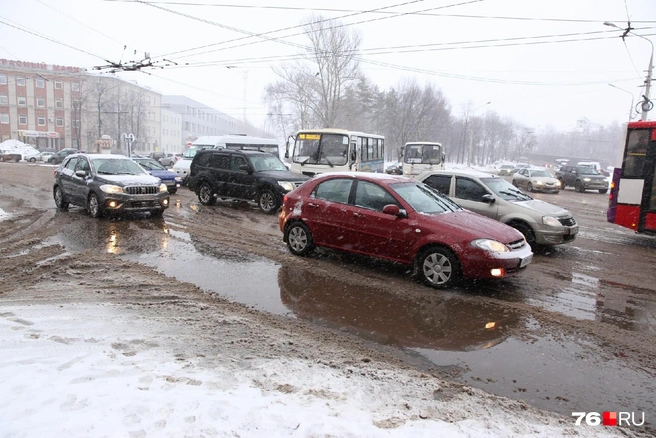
(516, 193)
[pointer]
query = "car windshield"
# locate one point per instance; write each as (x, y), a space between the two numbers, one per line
(189, 153)
(116, 166)
(264, 163)
(540, 173)
(505, 190)
(507, 166)
(586, 170)
(149, 164)
(423, 199)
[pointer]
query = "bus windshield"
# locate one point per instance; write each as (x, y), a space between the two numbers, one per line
(330, 149)
(422, 153)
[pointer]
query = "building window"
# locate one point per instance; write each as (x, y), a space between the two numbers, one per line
(40, 102)
(3, 79)
(40, 83)
(59, 85)
(22, 100)
(41, 121)
(4, 119)
(59, 103)
(4, 100)
(76, 123)
(22, 119)
(75, 86)
(60, 121)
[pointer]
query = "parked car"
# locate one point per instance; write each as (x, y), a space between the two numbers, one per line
(108, 184)
(169, 160)
(241, 174)
(400, 219)
(582, 178)
(157, 155)
(536, 180)
(171, 179)
(10, 156)
(394, 169)
(41, 156)
(58, 157)
(594, 164)
(506, 169)
(541, 223)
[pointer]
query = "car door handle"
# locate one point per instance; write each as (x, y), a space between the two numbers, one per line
(356, 214)
(310, 204)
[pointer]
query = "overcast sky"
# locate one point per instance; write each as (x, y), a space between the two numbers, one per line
(541, 63)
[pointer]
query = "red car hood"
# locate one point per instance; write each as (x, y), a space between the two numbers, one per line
(466, 225)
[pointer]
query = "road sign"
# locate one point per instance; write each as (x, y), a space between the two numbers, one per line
(129, 139)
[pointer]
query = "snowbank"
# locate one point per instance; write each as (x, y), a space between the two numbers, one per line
(15, 146)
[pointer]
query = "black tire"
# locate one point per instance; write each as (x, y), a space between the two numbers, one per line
(448, 272)
(60, 199)
(556, 192)
(527, 231)
(268, 201)
(529, 187)
(562, 183)
(52, 161)
(32, 160)
(603, 191)
(578, 187)
(93, 206)
(299, 239)
(173, 191)
(17, 159)
(205, 194)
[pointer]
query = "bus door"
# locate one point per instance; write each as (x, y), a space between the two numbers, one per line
(647, 221)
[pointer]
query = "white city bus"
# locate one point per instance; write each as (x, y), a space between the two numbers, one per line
(334, 150)
(424, 156)
(233, 141)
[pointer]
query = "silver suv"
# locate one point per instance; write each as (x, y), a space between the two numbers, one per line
(541, 223)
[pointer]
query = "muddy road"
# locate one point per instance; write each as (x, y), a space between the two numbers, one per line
(575, 332)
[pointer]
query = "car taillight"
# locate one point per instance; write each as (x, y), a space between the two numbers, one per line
(284, 199)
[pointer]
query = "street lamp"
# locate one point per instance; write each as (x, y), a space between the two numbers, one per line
(471, 135)
(646, 103)
(632, 100)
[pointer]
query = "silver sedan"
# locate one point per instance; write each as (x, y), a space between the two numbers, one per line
(536, 180)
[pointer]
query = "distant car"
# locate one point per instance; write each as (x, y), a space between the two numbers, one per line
(394, 169)
(41, 156)
(157, 155)
(536, 180)
(243, 175)
(169, 160)
(506, 169)
(582, 178)
(397, 218)
(108, 184)
(171, 179)
(10, 156)
(58, 157)
(541, 223)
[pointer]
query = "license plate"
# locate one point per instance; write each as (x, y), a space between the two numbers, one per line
(525, 261)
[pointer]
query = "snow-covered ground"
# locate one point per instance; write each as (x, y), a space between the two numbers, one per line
(80, 370)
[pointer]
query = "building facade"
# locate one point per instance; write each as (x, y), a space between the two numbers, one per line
(36, 102)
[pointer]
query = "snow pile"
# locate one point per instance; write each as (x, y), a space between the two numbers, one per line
(17, 147)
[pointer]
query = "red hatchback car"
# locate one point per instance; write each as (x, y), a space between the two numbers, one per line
(400, 219)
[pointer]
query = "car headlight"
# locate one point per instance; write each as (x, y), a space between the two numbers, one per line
(162, 188)
(558, 183)
(109, 188)
(490, 245)
(538, 183)
(286, 185)
(606, 180)
(551, 221)
(586, 179)
(178, 178)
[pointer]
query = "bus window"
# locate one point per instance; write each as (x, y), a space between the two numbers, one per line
(636, 150)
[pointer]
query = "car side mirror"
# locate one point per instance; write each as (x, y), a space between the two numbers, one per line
(245, 168)
(489, 199)
(394, 210)
(81, 173)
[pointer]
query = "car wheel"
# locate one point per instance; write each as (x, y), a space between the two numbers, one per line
(527, 231)
(60, 200)
(268, 201)
(578, 187)
(603, 191)
(529, 187)
(299, 239)
(556, 192)
(173, 191)
(562, 183)
(52, 161)
(93, 206)
(32, 160)
(205, 194)
(438, 267)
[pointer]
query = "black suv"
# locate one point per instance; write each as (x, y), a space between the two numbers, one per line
(242, 174)
(582, 178)
(58, 157)
(108, 184)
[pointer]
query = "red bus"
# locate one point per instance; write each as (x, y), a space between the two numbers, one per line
(632, 200)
